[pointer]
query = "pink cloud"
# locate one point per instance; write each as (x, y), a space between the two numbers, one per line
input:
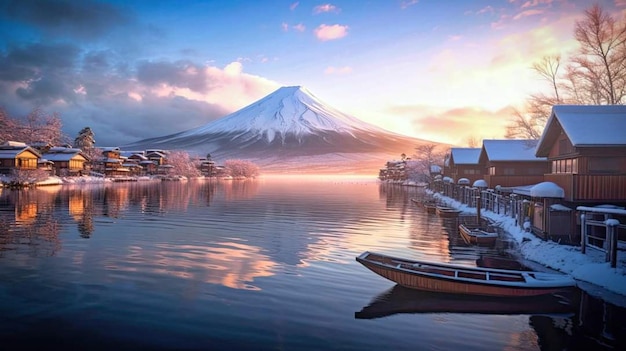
(285, 27)
(454, 37)
(534, 3)
(327, 32)
(338, 70)
(528, 13)
(326, 8)
(620, 3)
(294, 5)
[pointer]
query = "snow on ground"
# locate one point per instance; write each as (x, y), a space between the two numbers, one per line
(589, 267)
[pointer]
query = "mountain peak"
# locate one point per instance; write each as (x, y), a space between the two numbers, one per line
(290, 110)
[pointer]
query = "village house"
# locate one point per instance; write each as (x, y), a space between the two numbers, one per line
(462, 163)
(66, 161)
(17, 155)
(586, 147)
(111, 163)
(512, 163)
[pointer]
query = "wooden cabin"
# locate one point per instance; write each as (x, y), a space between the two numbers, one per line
(511, 163)
(112, 162)
(16, 155)
(463, 162)
(66, 161)
(586, 147)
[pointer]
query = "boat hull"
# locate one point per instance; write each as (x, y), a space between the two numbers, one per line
(447, 212)
(477, 236)
(449, 280)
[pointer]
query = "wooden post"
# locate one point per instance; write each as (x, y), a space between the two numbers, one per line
(583, 233)
(611, 232)
(478, 208)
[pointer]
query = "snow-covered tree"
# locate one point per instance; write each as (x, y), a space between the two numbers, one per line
(35, 127)
(241, 168)
(183, 163)
(85, 139)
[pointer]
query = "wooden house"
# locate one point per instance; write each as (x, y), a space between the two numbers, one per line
(66, 161)
(19, 156)
(511, 163)
(586, 147)
(112, 163)
(463, 162)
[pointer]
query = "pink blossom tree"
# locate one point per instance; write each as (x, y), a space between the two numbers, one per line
(241, 168)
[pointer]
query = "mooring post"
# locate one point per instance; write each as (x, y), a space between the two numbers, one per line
(583, 233)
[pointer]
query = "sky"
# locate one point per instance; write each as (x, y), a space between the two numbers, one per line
(445, 71)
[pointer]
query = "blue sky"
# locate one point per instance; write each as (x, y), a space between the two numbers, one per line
(439, 70)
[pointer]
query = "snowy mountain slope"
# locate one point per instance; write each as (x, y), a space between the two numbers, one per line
(285, 127)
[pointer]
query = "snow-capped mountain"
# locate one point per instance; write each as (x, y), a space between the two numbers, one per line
(289, 129)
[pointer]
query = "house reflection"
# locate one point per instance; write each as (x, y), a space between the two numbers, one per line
(26, 222)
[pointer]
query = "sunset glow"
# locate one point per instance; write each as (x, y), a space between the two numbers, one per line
(442, 71)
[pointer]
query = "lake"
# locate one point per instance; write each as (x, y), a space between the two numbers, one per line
(265, 264)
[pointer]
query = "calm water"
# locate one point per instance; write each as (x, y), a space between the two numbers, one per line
(266, 264)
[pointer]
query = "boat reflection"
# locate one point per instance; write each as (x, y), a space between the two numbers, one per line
(399, 299)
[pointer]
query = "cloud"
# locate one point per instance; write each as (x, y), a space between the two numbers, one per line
(535, 3)
(298, 27)
(620, 3)
(119, 100)
(326, 8)
(338, 70)
(294, 5)
(407, 3)
(486, 9)
(455, 126)
(528, 13)
(86, 19)
(331, 32)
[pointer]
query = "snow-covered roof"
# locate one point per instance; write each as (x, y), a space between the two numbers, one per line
(510, 150)
(60, 156)
(59, 149)
(585, 125)
(465, 155)
(435, 169)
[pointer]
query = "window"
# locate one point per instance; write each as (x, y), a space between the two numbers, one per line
(569, 165)
(492, 170)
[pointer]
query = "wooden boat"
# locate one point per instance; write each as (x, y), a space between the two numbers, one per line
(447, 212)
(401, 300)
(430, 207)
(446, 278)
(477, 235)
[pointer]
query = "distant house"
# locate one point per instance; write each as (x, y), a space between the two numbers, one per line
(463, 162)
(512, 163)
(16, 155)
(586, 147)
(112, 163)
(66, 161)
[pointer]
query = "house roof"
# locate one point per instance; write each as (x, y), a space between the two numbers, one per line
(65, 156)
(8, 151)
(509, 150)
(585, 125)
(465, 155)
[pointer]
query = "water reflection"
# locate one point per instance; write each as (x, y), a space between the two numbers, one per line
(266, 264)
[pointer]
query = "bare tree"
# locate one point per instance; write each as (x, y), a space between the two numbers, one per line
(426, 155)
(595, 75)
(472, 141)
(601, 62)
